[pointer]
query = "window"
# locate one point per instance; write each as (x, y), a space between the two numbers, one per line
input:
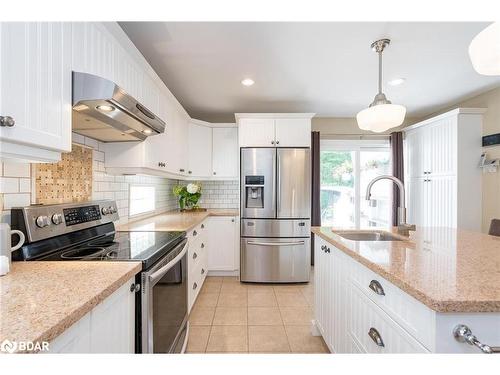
(346, 169)
(142, 200)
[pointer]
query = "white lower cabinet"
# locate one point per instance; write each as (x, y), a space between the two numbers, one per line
(354, 317)
(108, 328)
(197, 261)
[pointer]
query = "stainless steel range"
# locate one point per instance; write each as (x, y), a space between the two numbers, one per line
(86, 232)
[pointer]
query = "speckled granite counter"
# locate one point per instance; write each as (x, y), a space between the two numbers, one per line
(40, 300)
(446, 269)
(174, 220)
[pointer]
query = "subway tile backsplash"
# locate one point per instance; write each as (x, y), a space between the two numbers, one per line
(16, 185)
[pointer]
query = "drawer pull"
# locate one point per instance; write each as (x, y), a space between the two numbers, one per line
(327, 250)
(202, 271)
(202, 226)
(462, 333)
(195, 255)
(375, 336)
(202, 245)
(195, 286)
(195, 233)
(376, 287)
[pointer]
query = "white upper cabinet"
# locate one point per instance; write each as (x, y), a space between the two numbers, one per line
(256, 132)
(225, 153)
(35, 86)
(274, 129)
(200, 155)
(293, 132)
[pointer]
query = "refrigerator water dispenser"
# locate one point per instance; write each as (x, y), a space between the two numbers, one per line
(254, 186)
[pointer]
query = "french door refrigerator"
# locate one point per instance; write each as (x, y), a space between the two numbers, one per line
(275, 215)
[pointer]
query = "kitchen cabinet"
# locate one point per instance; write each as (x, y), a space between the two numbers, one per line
(35, 81)
(358, 311)
(443, 179)
(197, 260)
(200, 155)
(225, 155)
(274, 130)
(108, 328)
(223, 250)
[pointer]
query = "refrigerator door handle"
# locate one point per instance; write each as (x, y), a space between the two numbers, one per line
(297, 243)
(278, 184)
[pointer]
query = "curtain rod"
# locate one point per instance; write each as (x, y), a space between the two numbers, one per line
(353, 136)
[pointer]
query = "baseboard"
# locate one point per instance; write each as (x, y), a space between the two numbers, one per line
(314, 328)
(224, 273)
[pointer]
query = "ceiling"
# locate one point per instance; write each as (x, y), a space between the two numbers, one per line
(325, 68)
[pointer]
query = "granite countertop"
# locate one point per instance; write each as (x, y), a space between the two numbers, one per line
(40, 300)
(448, 270)
(174, 220)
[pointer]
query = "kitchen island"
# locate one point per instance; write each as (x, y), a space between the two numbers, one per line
(416, 290)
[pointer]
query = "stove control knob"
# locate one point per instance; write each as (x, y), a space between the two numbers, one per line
(111, 210)
(57, 219)
(105, 210)
(42, 221)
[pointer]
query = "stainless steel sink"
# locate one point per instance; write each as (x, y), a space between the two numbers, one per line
(361, 235)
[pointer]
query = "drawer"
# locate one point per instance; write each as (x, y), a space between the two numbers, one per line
(197, 250)
(198, 231)
(412, 315)
(369, 323)
(196, 278)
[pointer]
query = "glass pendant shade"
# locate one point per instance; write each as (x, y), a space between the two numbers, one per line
(484, 51)
(381, 117)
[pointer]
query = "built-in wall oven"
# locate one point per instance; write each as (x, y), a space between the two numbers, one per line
(163, 304)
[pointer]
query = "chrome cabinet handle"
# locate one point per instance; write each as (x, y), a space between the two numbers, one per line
(275, 243)
(134, 288)
(195, 233)
(327, 249)
(376, 287)
(190, 172)
(215, 173)
(277, 142)
(323, 247)
(462, 333)
(272, 142)
(195, 286)
(202, 271)
(202, 226)
(7, 121)
(202, 245)
(181, 170)
(195, 256)
(375, 336)
(232, 220)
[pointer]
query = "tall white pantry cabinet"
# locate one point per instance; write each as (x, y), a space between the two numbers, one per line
(442, 176)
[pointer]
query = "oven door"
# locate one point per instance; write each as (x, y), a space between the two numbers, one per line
(164, 304)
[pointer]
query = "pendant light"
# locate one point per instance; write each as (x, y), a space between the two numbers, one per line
(381, 115)
(484, 51)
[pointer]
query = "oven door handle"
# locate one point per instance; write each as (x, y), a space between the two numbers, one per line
(157, 275)
(258, 243)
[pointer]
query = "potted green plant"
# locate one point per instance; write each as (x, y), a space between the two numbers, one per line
(188, 195)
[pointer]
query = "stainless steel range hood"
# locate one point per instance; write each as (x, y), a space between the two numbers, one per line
(104, 111)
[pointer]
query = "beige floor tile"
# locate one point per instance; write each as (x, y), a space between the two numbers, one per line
(259, 287)
(233, 288)
(230, 316)
(267, 339)
(198, 339)
(201, 316)
(264, 298)
(291, 299)
(296, 316)
(230, 279)
(309, 298)
(283, 288)
(207, 299)
(227, 299)
(228, 339)
(211, 288)
(264, 316)
(214, 279)
(301, 340)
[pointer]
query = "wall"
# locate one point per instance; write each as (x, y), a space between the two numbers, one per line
(491, 125)
(346, 127)
(220, 194)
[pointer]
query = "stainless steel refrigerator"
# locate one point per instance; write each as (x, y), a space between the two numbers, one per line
(275, 215)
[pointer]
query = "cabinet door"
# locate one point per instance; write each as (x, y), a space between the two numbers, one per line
(441, 151)
(293, 132)
(222, 244)
(256, 132)
(414, 158)
(200, 146)
(35, 82)
(415, 199)
(225, 152)
(440, 199)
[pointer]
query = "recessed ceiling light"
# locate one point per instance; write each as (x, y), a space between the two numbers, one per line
(147, 131)
(105, 108)
(247, 82)
(397, 81)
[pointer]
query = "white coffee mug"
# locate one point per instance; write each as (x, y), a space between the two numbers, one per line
(6, 239)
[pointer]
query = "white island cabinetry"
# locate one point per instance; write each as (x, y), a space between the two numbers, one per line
(358, 311)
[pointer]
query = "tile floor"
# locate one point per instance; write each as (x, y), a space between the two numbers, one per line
(231, 317)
